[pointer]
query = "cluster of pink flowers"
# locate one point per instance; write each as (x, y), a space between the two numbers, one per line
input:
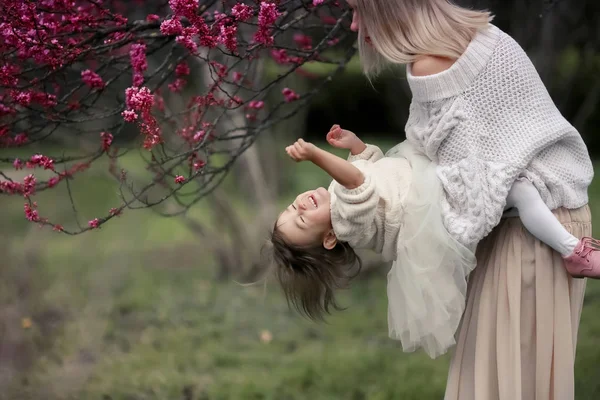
(281, 56)
(37, 160)
(267, 16)
(107, 139)
(184, 8)
(179, 179)
(8, 141)
(303, 41)
(31, 212)
(92, 79)
(289, 95)
(171, 27)
(242, 12)
(28, 187)
(181, 70)
(47, 40)
(228, 37)
(141, 100)
(29, 97)
(256, 104)
(139, 64)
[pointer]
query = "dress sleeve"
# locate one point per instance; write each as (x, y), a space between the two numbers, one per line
(354, 212)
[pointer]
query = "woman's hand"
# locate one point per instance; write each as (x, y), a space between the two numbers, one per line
(345, 139)
(301, 151)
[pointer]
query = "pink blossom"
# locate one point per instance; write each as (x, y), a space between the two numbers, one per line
(228, 37)
(171, 27)
(31, 213)
(138, 56)
(139, 99)
(317, 2)
(138, 62)
(280, 56)
(29, 185)
(58, 228)
(220, 69)
(92, 79)
(129, 115)
(237, 76)
(177, 85)
(186, 38)
(40, 160)
(114, 212)
(184, 8)
(290, 95)
(257, 105)
(94, 223)
(242, 12)
(23, 98)
(267, 16)
(107, 139)
(152, 18)
(179, 179)
(20, 139)
(198, 164)
(206, 38)
(18, 164)
(53, 181)
(303, 41)
(182, 69)
(199, 135)
(10, 187)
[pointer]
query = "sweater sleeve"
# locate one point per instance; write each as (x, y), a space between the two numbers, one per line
(371, 154)
(353, 216)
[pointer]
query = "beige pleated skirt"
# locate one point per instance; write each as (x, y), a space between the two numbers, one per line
(518, 334)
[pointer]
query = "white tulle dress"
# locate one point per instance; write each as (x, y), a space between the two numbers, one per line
(396, 212)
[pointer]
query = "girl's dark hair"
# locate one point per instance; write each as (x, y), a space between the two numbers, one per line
(309, 276)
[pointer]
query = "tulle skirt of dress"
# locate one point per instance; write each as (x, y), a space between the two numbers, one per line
(427, 283)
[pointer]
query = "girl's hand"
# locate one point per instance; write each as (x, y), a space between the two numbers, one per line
(344, 139)
(301, 151)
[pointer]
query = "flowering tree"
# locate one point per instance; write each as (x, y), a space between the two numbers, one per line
(186, 75)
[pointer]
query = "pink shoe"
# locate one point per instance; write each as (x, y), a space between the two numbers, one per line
(584, 262)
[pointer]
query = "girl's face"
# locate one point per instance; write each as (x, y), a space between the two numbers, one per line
(307, 221)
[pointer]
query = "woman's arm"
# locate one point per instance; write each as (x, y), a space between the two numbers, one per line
(339, 169)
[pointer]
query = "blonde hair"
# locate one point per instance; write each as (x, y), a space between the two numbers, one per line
(402, 30)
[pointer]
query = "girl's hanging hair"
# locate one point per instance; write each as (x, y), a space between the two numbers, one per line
(309, 276)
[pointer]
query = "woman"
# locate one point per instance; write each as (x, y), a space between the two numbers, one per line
(480, 110)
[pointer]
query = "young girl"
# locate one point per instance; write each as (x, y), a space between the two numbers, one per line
(390, 205)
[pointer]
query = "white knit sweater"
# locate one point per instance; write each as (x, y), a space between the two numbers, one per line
(487, 120)
(370, 216)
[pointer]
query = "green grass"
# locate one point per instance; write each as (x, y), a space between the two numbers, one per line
(131, 312)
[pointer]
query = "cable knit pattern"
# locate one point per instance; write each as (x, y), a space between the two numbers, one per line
(487, 120)
(370, 216)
